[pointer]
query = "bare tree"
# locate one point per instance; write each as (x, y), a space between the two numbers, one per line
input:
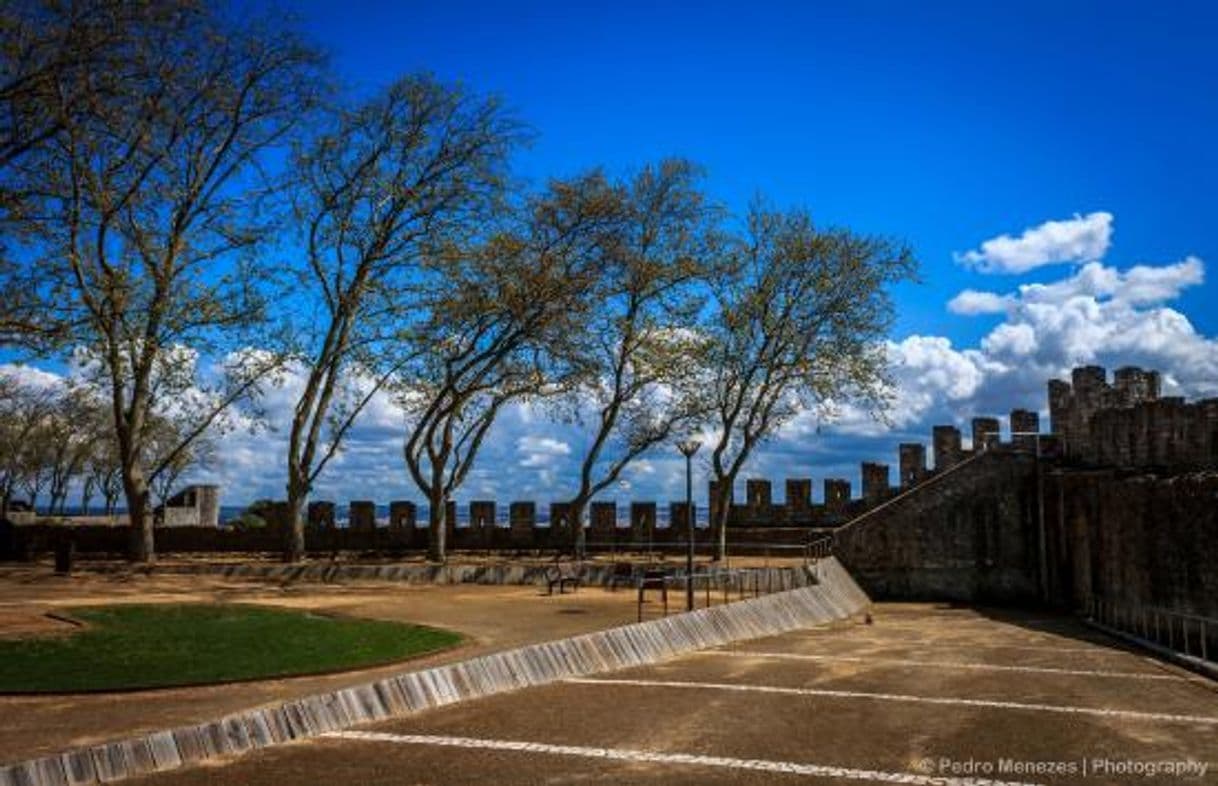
(144, 213)
(801, 315)
(104, 471)
(419, 161)
(57, 59)
(67, 443)
(640, 353)
(53, 50)
(24, 409)
(501, 322)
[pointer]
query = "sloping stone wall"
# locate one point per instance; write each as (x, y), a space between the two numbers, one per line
(969, 533)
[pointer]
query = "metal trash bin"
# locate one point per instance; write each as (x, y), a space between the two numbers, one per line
(65, 552)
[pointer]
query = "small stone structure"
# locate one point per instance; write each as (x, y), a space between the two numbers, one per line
(947, 446)
(193, 506)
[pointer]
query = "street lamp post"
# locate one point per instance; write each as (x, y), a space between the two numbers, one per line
(688, 448)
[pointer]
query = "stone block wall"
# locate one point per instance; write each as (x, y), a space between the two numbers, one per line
(1129, 424)
(1025, 426)
(986, 433)
(522, 518)
(947, 447)
(1137, 539)
(642, 521)
(876, 484)
(912, 463)
(403, 515)
(603, 521)
(966, 535)
(321, 515)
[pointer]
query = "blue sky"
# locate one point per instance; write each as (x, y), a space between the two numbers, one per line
(945, 124)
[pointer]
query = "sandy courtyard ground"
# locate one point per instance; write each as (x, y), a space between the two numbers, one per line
(925, 695)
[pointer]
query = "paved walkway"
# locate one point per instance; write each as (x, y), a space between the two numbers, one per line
(925, 695)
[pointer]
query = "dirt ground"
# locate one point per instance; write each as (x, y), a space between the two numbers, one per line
(924, 695)
(491, 618)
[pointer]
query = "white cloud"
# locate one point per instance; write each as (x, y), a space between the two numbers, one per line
(1095, 313)
(541, 451)
(30, 375)
(970, 302)
(1079, 239)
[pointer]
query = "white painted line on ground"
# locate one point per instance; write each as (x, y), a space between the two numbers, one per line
(688, 759)
(1098, 649)
(938, 664)
(849, 694)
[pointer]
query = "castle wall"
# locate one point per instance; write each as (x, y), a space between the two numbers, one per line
(966, 535)
(1137, 539)
(1128, 424)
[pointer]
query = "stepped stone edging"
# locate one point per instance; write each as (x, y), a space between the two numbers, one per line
(778, 578)
(835, 596)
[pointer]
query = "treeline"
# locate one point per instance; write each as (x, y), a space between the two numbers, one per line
(178, 184)
(57, 435)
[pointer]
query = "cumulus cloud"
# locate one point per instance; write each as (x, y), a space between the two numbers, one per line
(1078, 239)
(970, 302)
(1096, 312)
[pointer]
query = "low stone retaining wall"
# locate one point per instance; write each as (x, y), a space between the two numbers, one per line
(835, 596)
(594, 574)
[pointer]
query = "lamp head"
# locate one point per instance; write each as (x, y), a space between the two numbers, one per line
(688, 447)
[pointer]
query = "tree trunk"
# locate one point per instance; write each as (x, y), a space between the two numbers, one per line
(294, 535)
(577, 509)
(437, 527)
(143, 542)
(723, 510)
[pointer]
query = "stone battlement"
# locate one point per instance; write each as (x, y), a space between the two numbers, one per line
(1128, 424)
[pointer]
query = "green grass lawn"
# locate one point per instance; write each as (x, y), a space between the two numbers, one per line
(146, 646)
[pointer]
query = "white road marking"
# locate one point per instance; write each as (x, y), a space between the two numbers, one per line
(1098, 649)
(654, 757)
(939, 664)
(848, 694)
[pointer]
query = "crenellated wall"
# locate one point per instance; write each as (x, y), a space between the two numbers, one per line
(1122, 498)
(1128, 424)
(1119, 501)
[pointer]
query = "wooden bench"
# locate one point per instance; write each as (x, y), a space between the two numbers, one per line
(562, 575)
